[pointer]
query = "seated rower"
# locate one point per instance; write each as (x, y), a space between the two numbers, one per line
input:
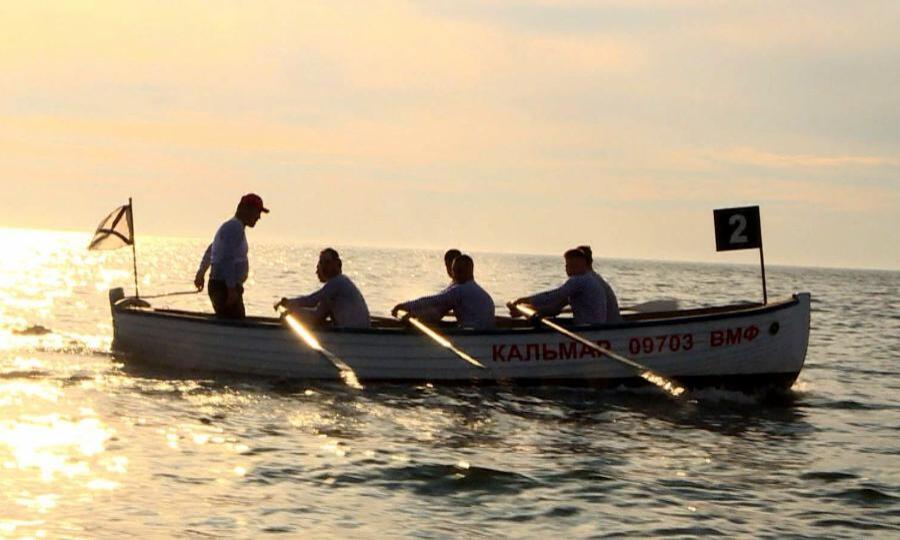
(449, 257)
(583, 291)
(338, 299)
(612, 302)
(472, 305)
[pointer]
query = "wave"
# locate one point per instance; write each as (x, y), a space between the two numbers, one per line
(40, 339)
(428, 479)
(828, 476)
(852, 405)
(34, 330)
(851, 524)
(25, 374)
(684, 531)
(865, 496)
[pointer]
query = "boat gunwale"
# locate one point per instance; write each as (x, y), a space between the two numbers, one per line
(272, 323)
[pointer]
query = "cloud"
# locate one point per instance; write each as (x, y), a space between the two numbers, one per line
(644, 109)
(752, 156)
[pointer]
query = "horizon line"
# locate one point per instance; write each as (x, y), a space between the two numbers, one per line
(425, 248)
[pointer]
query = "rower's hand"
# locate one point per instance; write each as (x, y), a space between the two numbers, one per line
(200, 280)
(513, 310)
(280, 304)
(398, 308)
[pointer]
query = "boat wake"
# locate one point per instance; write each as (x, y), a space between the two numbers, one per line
(712, 396)
(717, 395)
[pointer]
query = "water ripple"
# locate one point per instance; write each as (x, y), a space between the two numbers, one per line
(158, 453)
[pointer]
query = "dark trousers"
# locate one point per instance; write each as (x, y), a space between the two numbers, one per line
(218, 295)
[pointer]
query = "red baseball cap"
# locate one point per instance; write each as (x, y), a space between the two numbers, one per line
(255, 201)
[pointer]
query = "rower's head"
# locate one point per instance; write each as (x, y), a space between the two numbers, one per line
(329, 264)
(576, 262)
(588, 253)
(250, 209)
(462, 269)
(449, 257)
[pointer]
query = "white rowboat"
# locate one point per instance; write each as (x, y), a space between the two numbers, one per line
(744, 346)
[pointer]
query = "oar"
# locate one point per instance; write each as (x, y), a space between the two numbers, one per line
(345, 371)
(660, 380)
(439, 339)
(195, 291)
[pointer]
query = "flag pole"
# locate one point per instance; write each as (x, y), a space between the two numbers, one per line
(762, 267)
(137, 293)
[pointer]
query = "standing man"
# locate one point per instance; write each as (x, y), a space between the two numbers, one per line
(228, 256)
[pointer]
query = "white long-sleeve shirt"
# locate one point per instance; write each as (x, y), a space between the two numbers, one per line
(228, 254)
(612, 302)
(340, 299)
(584, 292)
(472, 305)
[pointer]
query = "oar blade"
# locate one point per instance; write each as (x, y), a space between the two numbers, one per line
(441, 340)
(344, 371)
(663, 382)
(465, 356)
(350, 379)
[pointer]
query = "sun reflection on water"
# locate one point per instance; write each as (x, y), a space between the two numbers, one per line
(51, 444)
(51, 453)
(6, 340)
(48, 283)
(216, 454)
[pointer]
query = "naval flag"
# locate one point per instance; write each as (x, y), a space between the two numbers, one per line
(115, 231)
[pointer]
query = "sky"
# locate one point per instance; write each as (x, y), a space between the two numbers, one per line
(521, 126)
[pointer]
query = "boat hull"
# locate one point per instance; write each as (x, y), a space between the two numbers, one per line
(743, 347)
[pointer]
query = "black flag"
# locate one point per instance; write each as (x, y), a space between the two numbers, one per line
(115, 231)
(737, 228)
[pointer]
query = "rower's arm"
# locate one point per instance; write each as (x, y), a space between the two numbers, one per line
(554, 310)
(322, 311)
(307, 301)
(441, 303)
(553, 301)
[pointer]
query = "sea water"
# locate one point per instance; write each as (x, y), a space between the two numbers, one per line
(90, 447)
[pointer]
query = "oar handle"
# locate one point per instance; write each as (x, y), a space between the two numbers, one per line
(523, 308)
(177, 293)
